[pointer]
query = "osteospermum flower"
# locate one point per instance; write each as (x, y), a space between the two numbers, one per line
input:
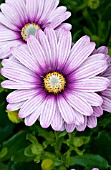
(91, 121)
(55, 83)
(20, 18)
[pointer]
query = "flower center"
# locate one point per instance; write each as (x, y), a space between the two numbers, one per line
(54, 82)
(29, 28)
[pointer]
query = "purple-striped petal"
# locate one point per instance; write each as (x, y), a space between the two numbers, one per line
(51, 36)
(66, 110)
(64, 46)
(92, 98)
(18, 85)
(106, 104)
(26, 59)
(48, 111)
(79, 58)
(57, 121)
(91, 121)
(90, 70)
(78, 103)
(97, 111)
(91, 85)
(15, 106)
(31, 105)
(21, 95)
(69, 127)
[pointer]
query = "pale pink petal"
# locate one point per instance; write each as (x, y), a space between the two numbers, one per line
(31, 119)
(7, 23)
(36, 50)
(69, 127)
(17, 85)
(91, 121)
(97, 111)
(57, 121)
(51, 36)
(82, 126)
(21, 95)
(64, 46)
(32, 9)
(26, 59)
(15, 106)
(66, 110)
(8, 35)
(80, 57)
(91, 85)
(31, 105)
(90, 70)
(78, 103)
(48, 111)
(17, 75)
(11, 14)
(106, 104)
(92, 98)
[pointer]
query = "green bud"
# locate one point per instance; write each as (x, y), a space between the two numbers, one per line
(93, 4)
(47, 164)
(13, 116)
(78, 141)
(62, 168)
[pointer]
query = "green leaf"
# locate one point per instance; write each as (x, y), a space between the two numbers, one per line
(3, 152)
(89, 160)
(15, 143)
(19, 156)
(25, 166)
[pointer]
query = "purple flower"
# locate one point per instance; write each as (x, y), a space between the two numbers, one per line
(106, 94)
(91, 121)
(56, 83)
(20, 18)
(95, 169)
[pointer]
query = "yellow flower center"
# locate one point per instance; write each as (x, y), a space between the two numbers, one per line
(29, 28)
(54, 82)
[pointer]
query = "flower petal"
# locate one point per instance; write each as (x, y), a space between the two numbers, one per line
(7, 23)
(90, 70)
(92, 98)
(31, 9)
(17, 85)
(64, 46)
(31, 105)
(83, 126)
(48, 111)
(25, 59)
(21, 95)
(91, 85)
(8, 35)
(57, 121)
(31, 119)
(78, 103)
(106, 104)
(91, 121)
(69, 127)
(36, 51)
(80, 57)
(66, 110)
(17, 75)
(97, 111)
(51, 36)
(15, 106)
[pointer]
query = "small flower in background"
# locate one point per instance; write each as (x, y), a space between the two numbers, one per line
(20, 18)
(95, 169)
(56, 84)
